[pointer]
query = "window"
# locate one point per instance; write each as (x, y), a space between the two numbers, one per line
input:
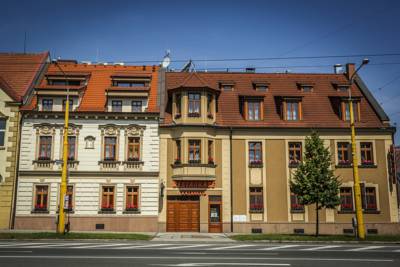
(256, 199)
(210, 152)
(295, 153)
(295, 203)
(178, 159)
(89, 142)
(136, 106)
(255, 153)
(253, 110)
(132, 198)
(342, 88)
(47, 104)
(65, 82)
(307, 88)
(71, 103)
(194, 104)
(2, 131)
(45, 147)
(71, 147)
(343, 150)
(133, 149)
(209, 106)
(292, 110)
(261, 87)
(116, 106)
(366, 153)
(129, 84)
(178, 103)
(110, 145)
(346, 199)
(69, 198)
(368, 197)
(107, 198)
(194, 151)
(41, 198)
(227, 87)
(345, 111)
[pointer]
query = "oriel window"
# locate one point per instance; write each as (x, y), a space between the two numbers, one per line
(194, 151)
(178, 158)
(210, 152)
(194, 104)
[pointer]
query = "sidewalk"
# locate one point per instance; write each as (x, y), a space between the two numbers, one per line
(190, 237)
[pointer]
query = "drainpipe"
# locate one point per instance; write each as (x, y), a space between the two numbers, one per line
(231, 175)
(16, 172)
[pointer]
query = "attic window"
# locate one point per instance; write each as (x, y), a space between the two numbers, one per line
(305, 87)
(227, 86)
(64, 82)
(342, 88)
(129, 83)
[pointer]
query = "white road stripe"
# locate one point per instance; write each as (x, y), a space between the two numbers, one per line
(190, 246)
(365, 248)
(279, 247)
(231, 247)
(50, 245)
(99, 245)
(30, 244)
(143, 246)
(320, 248)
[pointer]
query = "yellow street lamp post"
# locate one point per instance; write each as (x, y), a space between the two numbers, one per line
(356, 178)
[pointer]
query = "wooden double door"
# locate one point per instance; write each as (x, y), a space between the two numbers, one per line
(183, 214)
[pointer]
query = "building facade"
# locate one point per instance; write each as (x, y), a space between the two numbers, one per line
(113, 149)
(18, 75)
(230, 143)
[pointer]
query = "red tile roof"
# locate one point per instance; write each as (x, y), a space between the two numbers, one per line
(317, 107)
(19, 71)
(99, 81)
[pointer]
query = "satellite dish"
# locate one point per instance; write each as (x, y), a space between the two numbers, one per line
(166, 60)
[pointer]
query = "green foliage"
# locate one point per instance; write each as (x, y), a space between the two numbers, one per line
(314, 181)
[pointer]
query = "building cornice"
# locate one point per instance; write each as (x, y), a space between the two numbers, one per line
(89, 173)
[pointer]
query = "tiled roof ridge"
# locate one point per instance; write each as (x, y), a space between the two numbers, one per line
(194, 74)
(7, 89)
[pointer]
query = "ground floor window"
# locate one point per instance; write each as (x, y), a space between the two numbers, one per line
(41, 198)
(295, 205)
(107, 198)
(256, 199)
(69, 198)
(369, 202)
(346, 199)
(132, 198)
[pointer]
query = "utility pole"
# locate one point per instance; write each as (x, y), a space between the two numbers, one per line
(63, 187)
(356, 178)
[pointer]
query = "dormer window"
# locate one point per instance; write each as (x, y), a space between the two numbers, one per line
(305, 87)
(345, 110)
(178, 106)
(116, 105)
(292, 109)
(64, 82)
(253, 110)
(194, 104)
(47, 104)
(341, 87)
(261, 86)
(129, 84)
(136, 106)
(226, 86)
(209, 106)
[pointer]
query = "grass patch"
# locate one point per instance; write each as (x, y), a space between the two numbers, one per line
(49, 235)
(276, 237)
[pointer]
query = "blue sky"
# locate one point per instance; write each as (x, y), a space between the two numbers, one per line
(142, 30)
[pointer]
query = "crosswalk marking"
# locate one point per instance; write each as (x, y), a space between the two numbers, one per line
(279, 247)
(320, 248)
(366, 248)
(231, 247)
(184, 247)
(99, 245)
(144, 246)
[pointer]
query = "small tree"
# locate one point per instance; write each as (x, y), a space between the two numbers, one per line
(314, 181)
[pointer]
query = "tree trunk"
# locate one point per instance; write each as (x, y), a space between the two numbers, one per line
(317, 220)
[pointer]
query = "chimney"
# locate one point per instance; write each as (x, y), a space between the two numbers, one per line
(338, 68)
(350, 69)
(250, 70)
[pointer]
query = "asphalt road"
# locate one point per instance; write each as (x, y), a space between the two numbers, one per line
(124, 253)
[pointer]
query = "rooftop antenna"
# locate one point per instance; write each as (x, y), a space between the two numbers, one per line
(189, 65)
(166, 60)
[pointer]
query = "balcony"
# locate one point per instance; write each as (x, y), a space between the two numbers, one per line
(43, 164)
(109, 165)
(193, 171)
(133, 165)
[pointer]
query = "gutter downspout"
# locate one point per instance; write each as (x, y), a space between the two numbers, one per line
(15, 184)
(231, 176)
